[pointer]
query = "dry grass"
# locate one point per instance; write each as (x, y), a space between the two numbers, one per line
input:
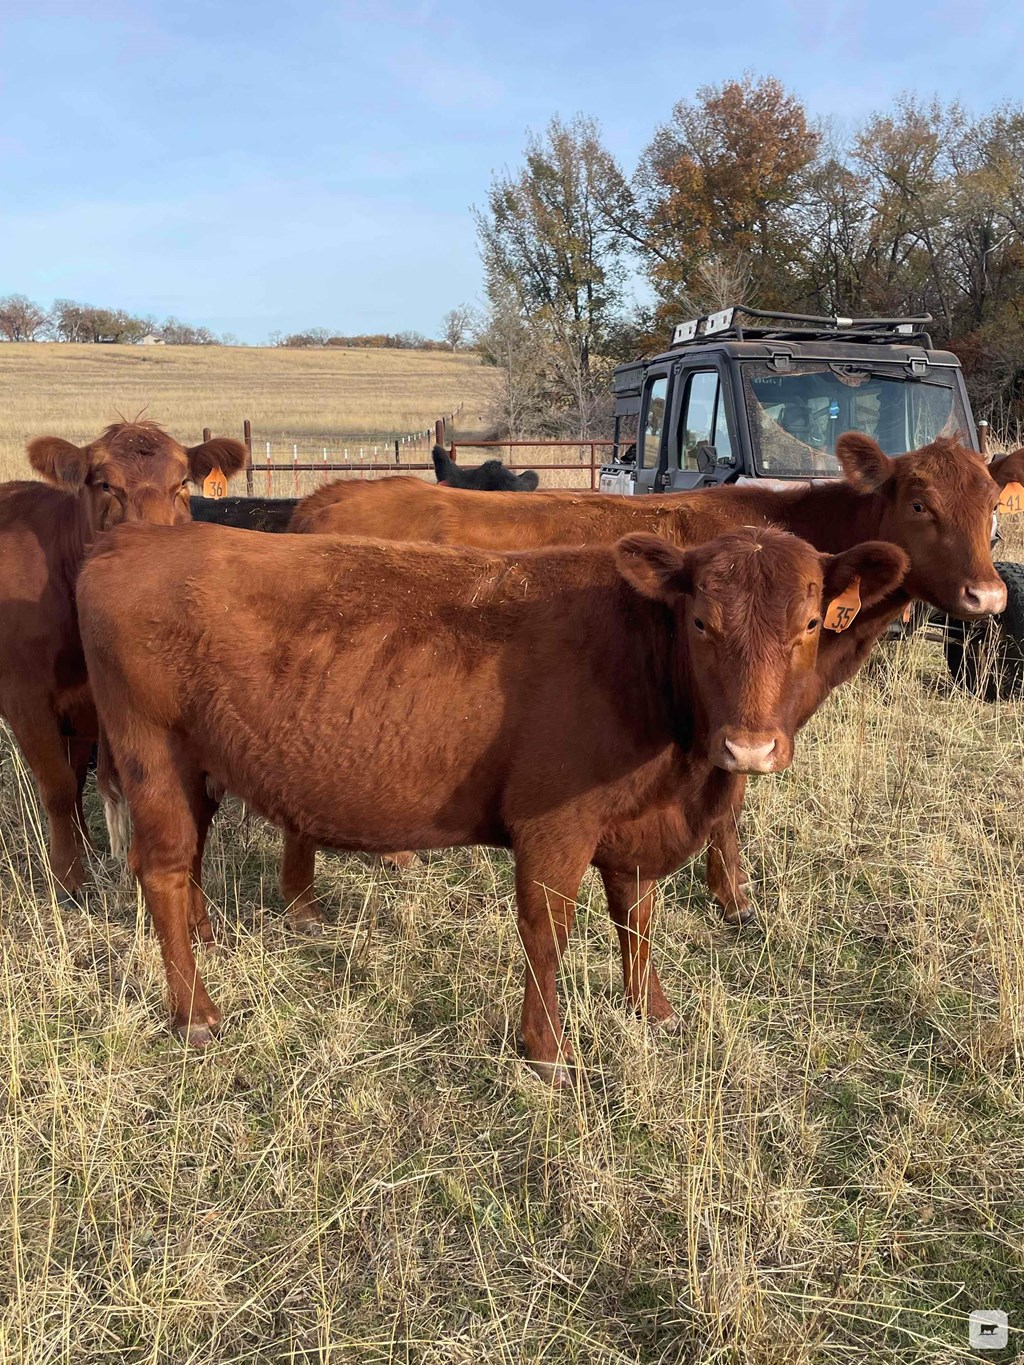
(311, 397)
(826, 1165)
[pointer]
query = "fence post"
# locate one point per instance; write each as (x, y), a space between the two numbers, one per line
(983, 436)
(268, 470)
(207, 433)
(398, 457)
(439, 431)
(247, 438)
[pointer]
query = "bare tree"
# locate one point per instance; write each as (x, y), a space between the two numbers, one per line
(21, 319)
(505, 341)
(457, 326)
(721, 279)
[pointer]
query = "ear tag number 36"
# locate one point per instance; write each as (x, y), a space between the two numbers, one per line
(842, 610)
(1011, 499)
(215, 485)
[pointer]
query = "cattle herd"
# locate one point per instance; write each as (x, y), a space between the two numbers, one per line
(584, 679)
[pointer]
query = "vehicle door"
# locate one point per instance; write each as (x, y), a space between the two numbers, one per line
(652, 428)
(699, 449)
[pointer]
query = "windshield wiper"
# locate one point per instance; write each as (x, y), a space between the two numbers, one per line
(846, 371)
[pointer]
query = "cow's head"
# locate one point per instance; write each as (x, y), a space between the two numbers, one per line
(937, 505)
(133, 472)
(748, 611)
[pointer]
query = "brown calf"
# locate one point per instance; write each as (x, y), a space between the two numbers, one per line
(936, 503)
(430, 698)
(134, 472)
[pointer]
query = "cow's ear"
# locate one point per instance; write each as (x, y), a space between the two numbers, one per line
(879, 567)
(654, 567)
(863, 461)
(221, 453)
(59, 462)
(1008, 468)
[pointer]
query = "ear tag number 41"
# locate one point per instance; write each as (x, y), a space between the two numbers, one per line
(215, 485)
(1011, 499)
(842, 610)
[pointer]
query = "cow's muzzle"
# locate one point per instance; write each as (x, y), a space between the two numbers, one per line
(981, 599)
(752, 751)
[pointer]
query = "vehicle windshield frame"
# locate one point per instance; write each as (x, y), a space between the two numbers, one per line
(890, 371)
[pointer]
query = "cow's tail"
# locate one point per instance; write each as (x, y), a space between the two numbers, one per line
(528, 481)
(115, 807)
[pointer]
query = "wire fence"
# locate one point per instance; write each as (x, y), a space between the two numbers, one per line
(292, 469)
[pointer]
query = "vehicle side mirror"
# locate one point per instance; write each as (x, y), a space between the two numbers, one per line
(706, 456)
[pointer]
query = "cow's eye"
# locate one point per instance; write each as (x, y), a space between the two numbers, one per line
(105, 487)
(917, 506)
(813, 624)
(699, 624)
(184, 483)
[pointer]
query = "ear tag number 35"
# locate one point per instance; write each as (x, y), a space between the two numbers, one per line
(842, 610)
(1011, 499)
(215, 485)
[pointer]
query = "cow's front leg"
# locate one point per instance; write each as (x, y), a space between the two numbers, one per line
(547, 882)
(726, 879)
(631, 902)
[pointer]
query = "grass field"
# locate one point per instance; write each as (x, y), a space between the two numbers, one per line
(309, 397)
(826, 1164)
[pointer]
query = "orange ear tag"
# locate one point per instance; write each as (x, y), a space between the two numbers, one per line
(842, 610)
(1011, 499)
(215, 485)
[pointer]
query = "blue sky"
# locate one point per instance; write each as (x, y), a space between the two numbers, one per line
(259, 166)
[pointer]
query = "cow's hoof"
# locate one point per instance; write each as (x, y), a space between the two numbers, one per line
(196, 1033)
(70, 900)
(306, 921)
(737, 916)
(557, 1075)
(668, 1023)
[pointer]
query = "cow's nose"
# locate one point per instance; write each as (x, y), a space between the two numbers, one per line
(982, 599)
(751, 758)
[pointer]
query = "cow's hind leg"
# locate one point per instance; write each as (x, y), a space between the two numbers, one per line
(205, 806)
(38, 733)
(547, 881)
(162, 785)
(298, 866)
(631, 902)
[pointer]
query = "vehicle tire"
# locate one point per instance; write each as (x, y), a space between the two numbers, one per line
(989, 660)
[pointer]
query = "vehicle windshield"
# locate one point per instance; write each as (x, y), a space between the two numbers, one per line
(797, 416)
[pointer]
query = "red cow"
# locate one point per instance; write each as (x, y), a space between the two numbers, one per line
(428, 698)
(936, 503)
(133, 472)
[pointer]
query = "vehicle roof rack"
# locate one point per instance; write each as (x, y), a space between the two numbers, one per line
(740, 323)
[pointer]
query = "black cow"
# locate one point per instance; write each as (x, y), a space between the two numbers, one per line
(249, 514)
(491, 477)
